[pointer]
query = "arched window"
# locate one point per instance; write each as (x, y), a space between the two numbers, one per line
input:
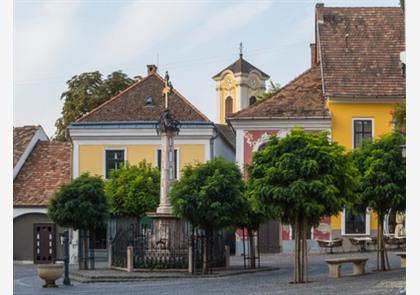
(228, 106)
(252, 100)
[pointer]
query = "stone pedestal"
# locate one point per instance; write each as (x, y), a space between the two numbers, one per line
(168, 232)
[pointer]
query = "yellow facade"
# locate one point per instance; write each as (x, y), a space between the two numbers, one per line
(342, 132)
(228, 88)
(92, 157)
(344, 113)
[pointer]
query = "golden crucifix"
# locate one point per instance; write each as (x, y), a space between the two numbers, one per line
(167, 89)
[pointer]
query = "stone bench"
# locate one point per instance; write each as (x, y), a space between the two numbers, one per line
(402, 256)
(334, 265)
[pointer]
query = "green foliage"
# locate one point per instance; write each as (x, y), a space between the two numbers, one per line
(254, 214)
(85, 92)
(272, 88)
(382, 170)
(302, 175)
(133, 190)
(80, 204)
(399, 116)
(209, 195)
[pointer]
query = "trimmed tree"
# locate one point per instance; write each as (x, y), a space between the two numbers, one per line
(81, 205)
(299, 179)
(252, 219)
(133, 190)
(382, 185)
(209, 196)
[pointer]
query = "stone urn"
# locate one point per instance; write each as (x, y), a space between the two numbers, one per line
(49, 273)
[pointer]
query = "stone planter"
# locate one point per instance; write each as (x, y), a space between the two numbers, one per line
(49, 273)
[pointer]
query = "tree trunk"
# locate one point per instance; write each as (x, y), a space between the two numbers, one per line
(92, 249)
(206, 252)
(383, 263)
(305, 249)
(252, 248)
(296, 263)
(86, 249)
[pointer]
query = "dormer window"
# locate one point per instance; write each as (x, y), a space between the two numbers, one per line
(150, 101)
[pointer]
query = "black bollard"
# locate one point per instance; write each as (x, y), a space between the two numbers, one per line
(66, 280)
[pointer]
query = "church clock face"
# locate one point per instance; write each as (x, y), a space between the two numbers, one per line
(228, 83)
(253, 83)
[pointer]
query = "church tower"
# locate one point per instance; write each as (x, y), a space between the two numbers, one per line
(238, 86)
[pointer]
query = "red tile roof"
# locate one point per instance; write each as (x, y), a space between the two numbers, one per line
(45, 170)
(360, 50)
(130, 105)
(302, 97)
(22, 136)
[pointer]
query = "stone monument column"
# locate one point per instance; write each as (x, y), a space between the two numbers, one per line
(167, 171)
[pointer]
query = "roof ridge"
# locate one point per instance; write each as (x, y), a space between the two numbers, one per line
(274, 94)
(186, 100)
(112, 98)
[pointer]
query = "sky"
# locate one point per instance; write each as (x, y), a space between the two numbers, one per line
(193, 40)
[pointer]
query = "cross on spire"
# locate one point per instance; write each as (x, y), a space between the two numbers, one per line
(241, 47)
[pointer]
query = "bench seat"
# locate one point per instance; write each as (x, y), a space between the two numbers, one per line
(334, 265)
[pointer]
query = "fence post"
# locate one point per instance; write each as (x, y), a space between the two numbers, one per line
(130, 260)
(110, 256)
(190, 259)
(227, 256)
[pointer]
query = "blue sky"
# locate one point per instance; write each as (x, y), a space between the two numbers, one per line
(54, 40)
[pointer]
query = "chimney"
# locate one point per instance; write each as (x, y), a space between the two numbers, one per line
(319, 13)
(314, 59)
(151, 69)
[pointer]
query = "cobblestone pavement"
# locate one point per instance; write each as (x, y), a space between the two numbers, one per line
(271, 282)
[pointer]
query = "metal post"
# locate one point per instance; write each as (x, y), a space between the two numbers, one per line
(66, 280)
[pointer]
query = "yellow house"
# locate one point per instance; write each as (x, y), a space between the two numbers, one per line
(123, 130)
(363, 78)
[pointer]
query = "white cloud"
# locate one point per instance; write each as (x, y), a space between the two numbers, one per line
(225, 21)
(141, 25)
(38, 41)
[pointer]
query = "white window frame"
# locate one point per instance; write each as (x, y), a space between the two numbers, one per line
(292, 229)
(362, 118)
(343, 225)
(177, 162)
(109, 148)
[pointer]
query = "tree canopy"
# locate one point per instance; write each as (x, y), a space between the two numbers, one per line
(85, 92)
(304, 173)
(382, 169)
(272, 88)
(80, 204)
(209, 195)
(133, 190)
(299, 179)
(399, 116)
(382, 186)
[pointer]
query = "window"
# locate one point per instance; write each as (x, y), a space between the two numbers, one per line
(159, 161)
(150, 101)
(354, 223)
(113, 160)
(362, 130)
(308, 232)
(252, 100)
(228, 106)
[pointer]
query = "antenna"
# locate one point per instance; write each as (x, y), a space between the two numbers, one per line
(241, 47)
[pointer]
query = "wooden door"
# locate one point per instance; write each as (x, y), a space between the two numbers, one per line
(269, 237)
(44, 243)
